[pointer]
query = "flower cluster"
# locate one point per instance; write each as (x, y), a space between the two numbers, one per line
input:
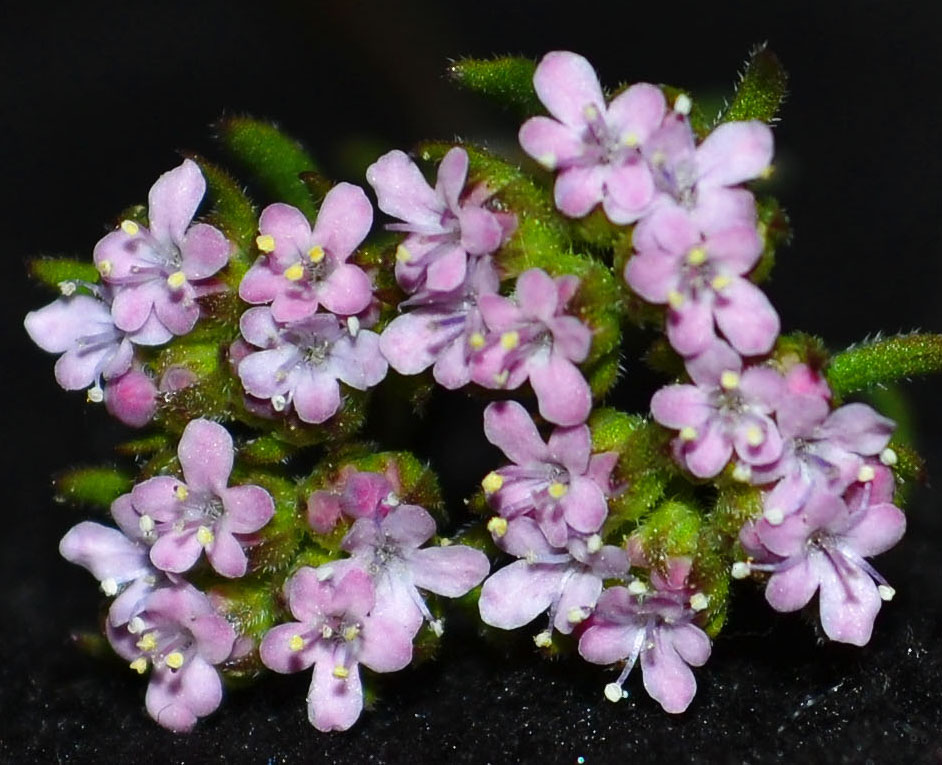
(622, 532)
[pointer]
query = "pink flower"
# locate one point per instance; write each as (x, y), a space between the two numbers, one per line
(531, 338)
(566, 581)
(301, 362)
(159, 272)
(822, 548)
(597, 148)
(389, 549)
(560, 484)
(335, 632)
(728, 409)
(443, 228)
(177, 633)
(695, 261)
(306, 268)
(442, 330)
(655, 627)
(182, 519)
(132, 398)
(359, 495)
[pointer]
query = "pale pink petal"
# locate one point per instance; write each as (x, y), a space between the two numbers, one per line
(680, 406)
(551, 143)
(402, 192)
(205, 453)
(637, 112)
(709, 455)
(876, 531)
(579, 595)
(316, 398)
(386, 646)
(261, 283)
(571, 448)
(667, 678)
(450, 571)
(226, 554)
(173, 200)
(653, 275)
(536, 294)
(849, 603)
(734, 152)
(518, 593)
(205, 250)
(690, 328)
(334, 703)
(248, 508)
(579, 189)
(510, 428)
(566, 83)
(747, 318)
(290, 229)
(452, 172)
(792, 588)
(562, 393)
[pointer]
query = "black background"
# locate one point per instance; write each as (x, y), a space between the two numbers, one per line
(95, 99)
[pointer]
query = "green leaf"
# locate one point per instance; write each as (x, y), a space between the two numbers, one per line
(54, 271)
(275, 160)
(882, 361)
(761, 89)
(96, 486)
(508, 80)
(267, 449)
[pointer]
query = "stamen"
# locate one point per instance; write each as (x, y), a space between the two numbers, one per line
(688, 433)
(104, 267)
(721, 281)
(181, 492)
(147, 643)
(278, 402)
(557, 490)
(886, 592)
(324, 573)
(754, 435)
(294, 273)
(740, 570)
(594, 543)
(614, 693)
(95, 394)
(351, 632)
(109, 586)
(391, 499)
(697, 256)
(683, 104)
(543, 639)
(729, 380)
(136, 625)
(767, 172)
(699, 601)
(438, 627)
(548, 160)
(492, 482)
(139, 665)
(501, 378)
(265, 243)
(888, 457)
(316, 254)
(327, 632)
(476, 341)
(146, 524)
(866, 473)
(509, 340)
(630, 140)
(130, 228)
(497, 526)
(576, 615)
(341, 672)
(176, 280)
(174, 660)
(774, 515)
(353, 325)
(637, 587)
(742, 473)
(675, 299)
(67, 288)
(205, 536)
(402, 254)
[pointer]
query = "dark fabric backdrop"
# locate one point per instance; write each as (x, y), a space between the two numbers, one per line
(96, 96)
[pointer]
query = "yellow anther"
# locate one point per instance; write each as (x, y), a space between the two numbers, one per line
(341, 672)
(294, 273)
(688, 433)
(543, 639)
(146, 524)
(139, 665)
(174, 660)
(104, 267)
(575, 615)
(557, 490)
(762, 229)
(492, 482)
(767, 172)
(500, 379)
(296, 643)
(630, 140)
(204, 536)
(265, 243)
(181, 492)
(510, 340)
(594, 543)
(476, 341)
(683, 104)
(327, 632)
(658, 158)
(176, 280)
(866, 473)
(699, 601)
(497, 526)
(129, 227)
(675, 299)
(351, 633)
(590, 111)
(109, 586)
(754, 435)
(729, 379)
(696, 256)
(719, 282)
(148, 642)
(548, 160)
(316, 254)
(742, 473)
(402, 254)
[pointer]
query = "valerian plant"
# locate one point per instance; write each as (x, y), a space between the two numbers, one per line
(242, 338)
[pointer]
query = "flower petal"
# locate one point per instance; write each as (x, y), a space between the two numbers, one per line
(206, 454)
(173, 200)
(566, 83)
(343, 221)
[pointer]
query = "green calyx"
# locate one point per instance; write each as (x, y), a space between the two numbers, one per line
(761, 89)
(92, 486)
(507, 80)
(882, 361)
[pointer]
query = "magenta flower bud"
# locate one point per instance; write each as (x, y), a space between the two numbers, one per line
(132, 398)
